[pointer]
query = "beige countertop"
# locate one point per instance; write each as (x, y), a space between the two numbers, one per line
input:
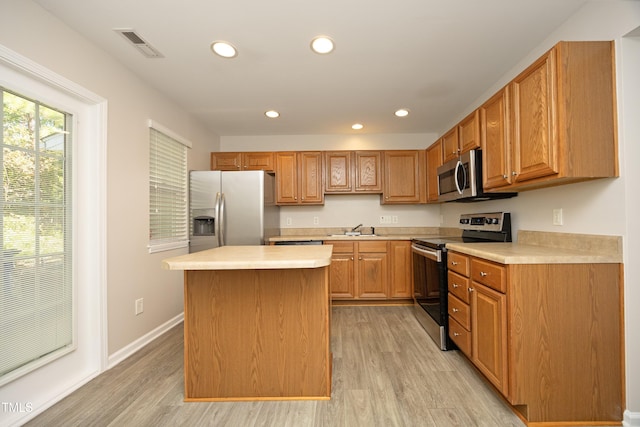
(252, 258)
(325, 237)
(523, 253)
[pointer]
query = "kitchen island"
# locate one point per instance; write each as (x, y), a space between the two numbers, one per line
(256, 322)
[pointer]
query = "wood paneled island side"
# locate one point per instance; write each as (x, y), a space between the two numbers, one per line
(256, 323)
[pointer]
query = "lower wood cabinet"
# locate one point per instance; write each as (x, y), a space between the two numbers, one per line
(547, 336)
(374, 270)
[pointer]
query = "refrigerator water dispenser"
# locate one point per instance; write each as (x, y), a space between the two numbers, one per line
(204, 226)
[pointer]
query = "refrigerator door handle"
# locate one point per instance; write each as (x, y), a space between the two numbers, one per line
(216, 225)
(221, 222)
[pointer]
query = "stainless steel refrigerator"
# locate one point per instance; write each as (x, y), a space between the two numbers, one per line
(231, 208)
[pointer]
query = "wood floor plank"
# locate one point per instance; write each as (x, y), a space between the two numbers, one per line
(386, 372)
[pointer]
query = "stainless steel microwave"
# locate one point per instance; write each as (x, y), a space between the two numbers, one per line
(460, 180)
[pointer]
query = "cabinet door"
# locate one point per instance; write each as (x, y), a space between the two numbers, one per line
(258, 161)
(226, 161)
(401, 283)
(535, 142)
(496, 142)
(310, 174)
(403, 176)
(469, 132)
(286, 178)
(341, 278)
(368, 171)
(339, 173)
(434, 161)
(450, 145)
(372, 275)
(489, 334)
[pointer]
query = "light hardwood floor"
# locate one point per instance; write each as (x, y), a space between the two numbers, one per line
(386, 372)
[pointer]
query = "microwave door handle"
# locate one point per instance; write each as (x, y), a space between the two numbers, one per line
(464, 175)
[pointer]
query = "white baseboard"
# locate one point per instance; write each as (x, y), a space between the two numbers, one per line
(130, 349)
(631, 419)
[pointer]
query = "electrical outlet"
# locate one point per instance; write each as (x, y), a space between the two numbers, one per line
(139, 306)
(394, 219)
(557, 217)
(288, 220)
(385, 219)
(316, 220)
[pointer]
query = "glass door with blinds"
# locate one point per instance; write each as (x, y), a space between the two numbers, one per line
(36, 292)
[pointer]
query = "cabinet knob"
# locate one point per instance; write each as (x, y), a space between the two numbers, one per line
(351, 258)
(470, 289)
(455, 310)
(295, 198)
(455, 285)
(514, 173)
(454, 263)
(456, 334)
(483, 274)
(360, 258)
(504, 176)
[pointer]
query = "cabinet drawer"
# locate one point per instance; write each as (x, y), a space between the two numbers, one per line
(340, 247)
(459, 311)
(460, 336)
(377, 246)
(459, 286)
(458, 263)
(489, 274)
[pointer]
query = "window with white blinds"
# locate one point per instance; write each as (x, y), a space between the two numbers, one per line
(168, 228)
(36, 293)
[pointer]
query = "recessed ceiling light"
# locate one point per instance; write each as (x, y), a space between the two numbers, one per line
(272, 114)
(322, 45)
(403, 112)
(357, 126)
(224, 49)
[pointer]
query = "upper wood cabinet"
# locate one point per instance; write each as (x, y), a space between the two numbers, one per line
(404, 177)
(299, 178)
(235, 161)
(353, 172)
(496, 140)
(562, 121)
(434, 161)
(469, 132)
(450, 148)
(463, 137)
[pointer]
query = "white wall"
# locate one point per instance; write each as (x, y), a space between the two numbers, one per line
(131, 272)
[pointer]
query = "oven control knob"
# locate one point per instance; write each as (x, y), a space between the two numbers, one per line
(487, 220)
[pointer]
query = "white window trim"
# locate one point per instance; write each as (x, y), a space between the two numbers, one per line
(50, 383)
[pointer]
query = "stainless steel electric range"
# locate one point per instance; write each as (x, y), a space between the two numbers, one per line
(430, 269)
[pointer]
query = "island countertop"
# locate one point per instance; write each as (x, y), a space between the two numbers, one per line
(252, 258)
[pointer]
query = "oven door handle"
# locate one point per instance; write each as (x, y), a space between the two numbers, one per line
(432, 255)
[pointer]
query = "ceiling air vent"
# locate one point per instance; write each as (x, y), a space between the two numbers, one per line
(139, 43)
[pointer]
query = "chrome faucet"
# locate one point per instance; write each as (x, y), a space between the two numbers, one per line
(354, 229)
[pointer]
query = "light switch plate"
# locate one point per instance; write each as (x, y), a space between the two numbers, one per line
(557, 216)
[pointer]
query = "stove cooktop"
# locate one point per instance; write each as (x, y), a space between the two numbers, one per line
(477, 227)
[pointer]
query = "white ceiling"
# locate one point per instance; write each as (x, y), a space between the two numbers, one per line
(434, 57)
